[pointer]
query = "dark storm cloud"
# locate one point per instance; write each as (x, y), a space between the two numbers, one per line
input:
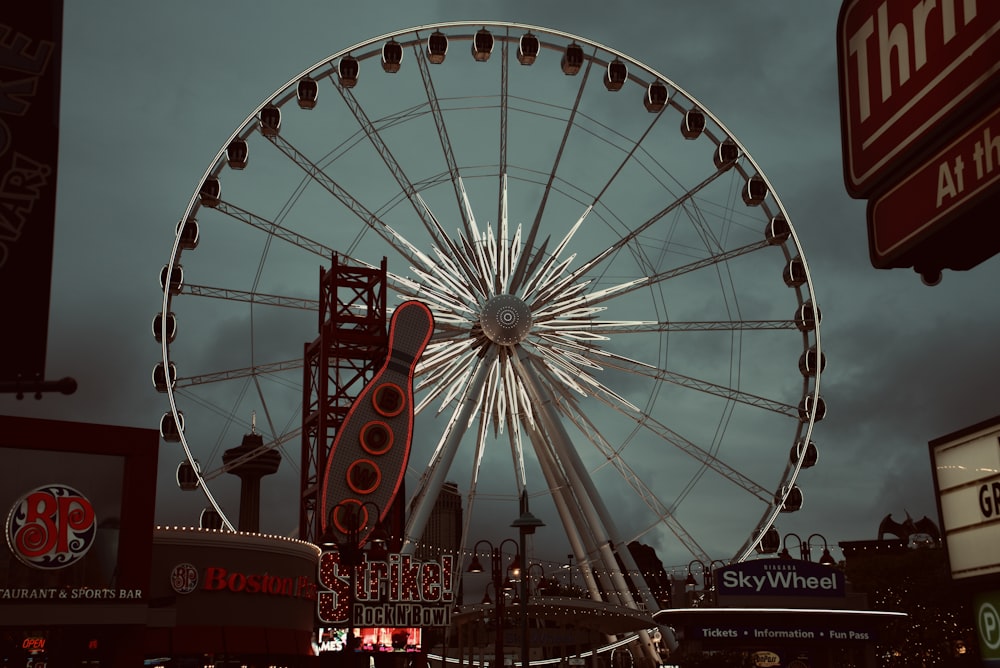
(144, 113)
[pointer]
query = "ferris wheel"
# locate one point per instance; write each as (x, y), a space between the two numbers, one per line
(625, 326)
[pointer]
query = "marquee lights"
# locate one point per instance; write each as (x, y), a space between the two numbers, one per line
(399, 579)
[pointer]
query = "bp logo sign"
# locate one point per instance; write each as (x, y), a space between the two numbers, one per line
(51, 527)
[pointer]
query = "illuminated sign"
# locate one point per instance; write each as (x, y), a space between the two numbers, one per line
(184, 578)
(966, 468)
(33, 644)
(367, 461)
(370, 639)
(778, 632)
(987, 610)
(51, 527)
(399, 591)
(64, 594)
(77, 505)
(766, 659)
(221, 579)
(779, 577)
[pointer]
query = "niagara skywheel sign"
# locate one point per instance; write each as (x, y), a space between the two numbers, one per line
(625, 326)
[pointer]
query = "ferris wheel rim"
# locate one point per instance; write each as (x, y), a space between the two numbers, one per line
(282, 95)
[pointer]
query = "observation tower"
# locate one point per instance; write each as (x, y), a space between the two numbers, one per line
(251, 461)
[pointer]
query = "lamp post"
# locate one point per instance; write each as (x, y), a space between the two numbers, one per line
(826, 558)
(499, 585)
(543, 583)
(569, 567)
(350, 518)
(690, 581)
(691, 584)
(785, 554)
(710, 582)
(525, 524)
(805, 551)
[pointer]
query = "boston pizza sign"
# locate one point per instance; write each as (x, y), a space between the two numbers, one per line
(51, 527)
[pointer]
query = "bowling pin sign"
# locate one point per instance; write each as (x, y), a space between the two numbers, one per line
(368, 459)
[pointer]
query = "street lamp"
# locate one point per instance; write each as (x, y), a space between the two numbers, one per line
(543, 583)
(690, 580)
(785, 554)
(569, 566)
(805, 552)
(525, 524)
(710, 582)
(351, 519)
(499, 584)
(826, 558)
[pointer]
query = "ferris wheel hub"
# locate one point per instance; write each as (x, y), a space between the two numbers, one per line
(506, 320)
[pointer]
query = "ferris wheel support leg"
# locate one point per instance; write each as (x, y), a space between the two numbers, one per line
(439, 466)
(562, 445)
(580, 540)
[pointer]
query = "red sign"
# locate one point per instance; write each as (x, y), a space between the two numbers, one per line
(907, 69)
(956, 177)
(415, 593)
(51, 527)
(218, 578)
(367, 461)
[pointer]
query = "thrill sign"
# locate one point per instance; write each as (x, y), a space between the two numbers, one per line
(914, 75)
(369, 454)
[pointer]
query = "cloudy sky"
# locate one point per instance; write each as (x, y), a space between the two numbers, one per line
(151, 91)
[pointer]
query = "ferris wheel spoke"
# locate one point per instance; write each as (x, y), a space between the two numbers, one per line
(643, 419)
(700, 385)
(234, 374)
(454, 264)
(312, 170)
(599, 327)
(630, 155)
(572, 412)
(442, 131)
(565, 293)
(261, 298)
(628, 365)
(610, 545)
(274, 229)
(503, 283)
(444, 454)
(576, 301)
(702, 455)
(406, 186)
(498, 396)
(638, 229)
(518, 274)
(443, 373)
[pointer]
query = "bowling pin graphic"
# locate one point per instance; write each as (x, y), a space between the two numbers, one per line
(368, 459)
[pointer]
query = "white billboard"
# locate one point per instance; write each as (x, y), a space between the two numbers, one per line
(966, 467)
